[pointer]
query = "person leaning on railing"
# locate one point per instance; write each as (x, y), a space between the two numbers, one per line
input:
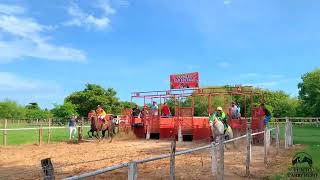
(165, 110)
(267, 114)
(136, 112)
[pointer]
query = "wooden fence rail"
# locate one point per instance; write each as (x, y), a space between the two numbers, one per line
(217, 169)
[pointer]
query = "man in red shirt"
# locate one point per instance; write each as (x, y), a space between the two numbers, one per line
(165, 110)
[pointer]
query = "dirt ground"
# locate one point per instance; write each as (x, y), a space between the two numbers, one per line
(23, 162)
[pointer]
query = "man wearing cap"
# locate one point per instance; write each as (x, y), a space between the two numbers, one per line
(154, 108)
(72, 127)
(234, 110)
(101, 114)
(220, 115)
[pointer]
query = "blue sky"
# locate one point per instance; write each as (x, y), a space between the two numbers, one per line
(49, 49)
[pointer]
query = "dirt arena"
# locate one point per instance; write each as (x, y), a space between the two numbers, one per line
(23, 162)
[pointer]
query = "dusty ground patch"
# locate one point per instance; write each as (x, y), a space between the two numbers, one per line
(23, 162)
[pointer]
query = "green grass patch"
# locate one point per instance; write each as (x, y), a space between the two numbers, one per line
(310, 136)
(32, 136)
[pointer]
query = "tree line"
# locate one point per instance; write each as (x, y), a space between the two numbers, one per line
(281, 104)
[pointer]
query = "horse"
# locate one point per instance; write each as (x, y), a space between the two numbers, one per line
(97, 126)
(217, 129)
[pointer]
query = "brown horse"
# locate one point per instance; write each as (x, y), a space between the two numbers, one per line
(97, 126)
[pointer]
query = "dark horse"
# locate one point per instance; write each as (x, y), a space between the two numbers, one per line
(97, 126)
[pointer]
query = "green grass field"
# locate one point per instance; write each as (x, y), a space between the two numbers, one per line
(32, 136)
(309, 136)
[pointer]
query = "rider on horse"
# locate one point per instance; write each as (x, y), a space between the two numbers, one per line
(101, 114)
(220, 115)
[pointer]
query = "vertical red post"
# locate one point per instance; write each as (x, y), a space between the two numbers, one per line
(245, 112)
(209, 103)
(192, 106)
(225, 101)
(159, 110)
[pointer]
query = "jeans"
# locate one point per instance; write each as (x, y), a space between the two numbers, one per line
(72, 131)
(266, 120)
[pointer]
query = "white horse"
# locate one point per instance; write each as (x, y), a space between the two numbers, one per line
(217, 129)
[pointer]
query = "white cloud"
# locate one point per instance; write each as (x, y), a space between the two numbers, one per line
(262, 84)
(224, 64)
(81, 18)
(106, 7)
(11, 9)
(25, 38)
(10, 82)
(227, 2)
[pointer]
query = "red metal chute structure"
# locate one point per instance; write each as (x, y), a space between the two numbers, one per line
(153, 125)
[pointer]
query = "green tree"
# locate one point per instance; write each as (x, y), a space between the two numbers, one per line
(64, 111)
(309, 93)
(94, 95)
(11, 110)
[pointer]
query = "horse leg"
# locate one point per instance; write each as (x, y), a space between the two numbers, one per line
(91, 131)
(103, 133)
(110, 131)
(98, 134)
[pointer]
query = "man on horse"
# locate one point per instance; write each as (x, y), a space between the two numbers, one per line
(101, 114)
(221, 116)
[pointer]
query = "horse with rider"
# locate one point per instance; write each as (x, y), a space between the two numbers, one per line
(219, 125)
(101, 122)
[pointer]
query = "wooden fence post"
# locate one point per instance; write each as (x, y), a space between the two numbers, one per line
(268, 139)
(80, 130)
(148, 131)
(49, 131)
(248, 158)
(132, 171)
(172, 160)
(5, 132)
(180, 138)
(291, 134)
(40, 136)
(221, 157)
(214, 160)
(278, 138)
(286, 134)
(265, 145)
(47, 168)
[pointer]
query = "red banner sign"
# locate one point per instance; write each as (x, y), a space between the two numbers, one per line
(180, 81)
